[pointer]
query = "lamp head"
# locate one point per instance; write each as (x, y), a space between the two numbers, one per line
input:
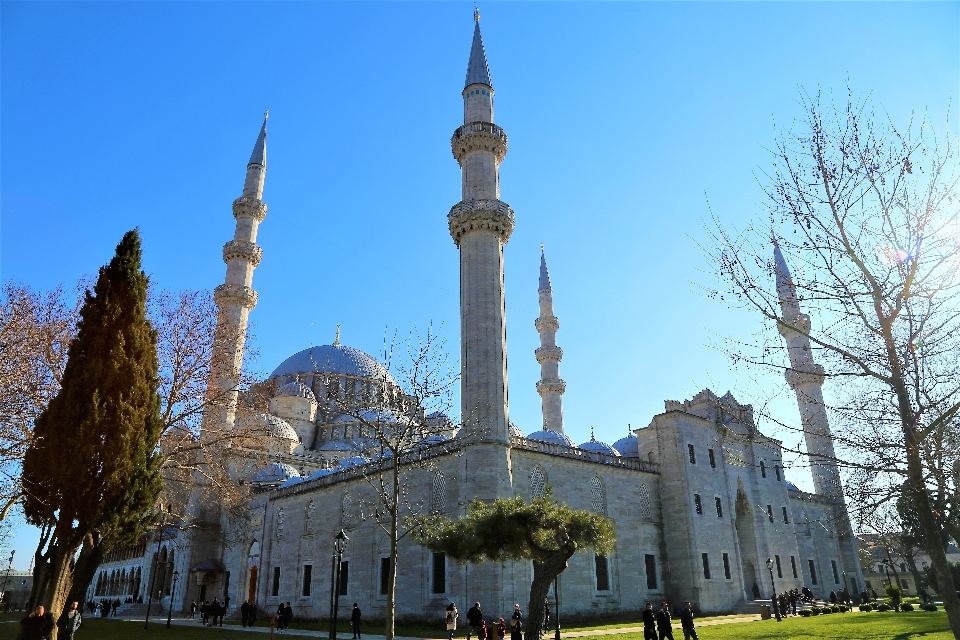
(340, 541)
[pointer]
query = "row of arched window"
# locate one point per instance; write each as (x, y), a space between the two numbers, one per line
(118, 582)
(598, 494)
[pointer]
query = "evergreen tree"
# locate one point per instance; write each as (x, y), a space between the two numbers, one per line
(92, 467)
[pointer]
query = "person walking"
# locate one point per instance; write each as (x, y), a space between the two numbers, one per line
(649, 623)
(37, 626)
(501, 629)
(280, 618)
(355, 621)
(686, 622)
(451, 618)
(69, 621)
(516, 623)
(193, 608)
(287, 616)
(664, 620)
(244, 613)
(474, 620)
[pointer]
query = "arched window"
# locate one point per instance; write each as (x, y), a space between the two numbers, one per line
(538, 481)
(278, 529)
(645, 510)
(598, 501)
(438, 497)
(311, 517)
(346, 511)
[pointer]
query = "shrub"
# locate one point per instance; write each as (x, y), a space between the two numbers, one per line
(929, 607)
(826, 610)
(883, 606)
(906, 606)
(804, 612)
(815, 611)
(865, 607)
(844, 608)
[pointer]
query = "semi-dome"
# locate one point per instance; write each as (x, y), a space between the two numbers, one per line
(278, 427)
(552, 437)
(319, 473)
(628, 446)
(596, 446)
(335, 359)
(291, 482)
(296, 389)
(275, 472)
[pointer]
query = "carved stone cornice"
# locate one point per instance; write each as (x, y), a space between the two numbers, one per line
(479, 136)
(548, 353)
(547, 323)
(797, 379)
(799, 324)
(242, 250)
(235, 294)
(551, 386)
(483, 214)
(246, 207)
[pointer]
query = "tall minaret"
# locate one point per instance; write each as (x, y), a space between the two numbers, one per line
(806, 378)
(550, 386)
(480, 225)
(235, 297)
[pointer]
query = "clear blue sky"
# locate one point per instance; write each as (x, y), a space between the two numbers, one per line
(624, 118)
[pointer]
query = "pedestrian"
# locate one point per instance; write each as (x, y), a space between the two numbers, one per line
(451, 618)
(355, 621)
(756, 591)
(516, 623)
(546, 615)
(686, 622)
(501, 629)
(253, 613)
(281, 618)
(287, 616)
(203, 613)
(649, 623)
(37, 626)
(244, 613)
(474, 619)
(69, 621)
(226, 601)
(193, 608)
(664, 630)
(833, 597)
(793, 602)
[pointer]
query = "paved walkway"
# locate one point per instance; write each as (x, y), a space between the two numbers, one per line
(263, 626)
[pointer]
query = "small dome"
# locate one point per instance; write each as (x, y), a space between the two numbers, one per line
(297, 389)
(552, 437)
(354, 461)
(279, 428)
(275, 472)
(291, 482)
(335, 359)
(599, 447)
(319, 473)
(628, 447)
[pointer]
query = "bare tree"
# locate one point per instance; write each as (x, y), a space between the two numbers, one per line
(869, 213)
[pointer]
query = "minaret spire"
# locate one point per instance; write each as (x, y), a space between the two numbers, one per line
(235, 298)
(480, 225)
(550, 386)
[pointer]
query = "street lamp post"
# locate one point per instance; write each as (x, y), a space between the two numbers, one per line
(156, 565)
(339, 544)
(773, 598)
(173, 588)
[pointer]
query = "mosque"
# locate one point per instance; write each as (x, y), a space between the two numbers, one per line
(702, 508)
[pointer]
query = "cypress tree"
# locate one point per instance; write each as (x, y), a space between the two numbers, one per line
(92, 468)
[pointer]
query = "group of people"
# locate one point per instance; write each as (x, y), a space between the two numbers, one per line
(39, 624)
(104, 608)
(658, 625)
(211, 613)
(284, 617)
(248, 613)
(477, 625)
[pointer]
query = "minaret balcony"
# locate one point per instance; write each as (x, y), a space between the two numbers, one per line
(482, 214)
(236, 295)
(545, 354)
(479, 136)
(242, 250)
(551, 386)
(547, 324)
(247, 207)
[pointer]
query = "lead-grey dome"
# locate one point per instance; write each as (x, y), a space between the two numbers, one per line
(628, 446)
(275, 472)
(599, 447)
(552, 437)
(297, 389)
(333, 359)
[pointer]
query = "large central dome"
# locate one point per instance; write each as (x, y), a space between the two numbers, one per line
(334, 359)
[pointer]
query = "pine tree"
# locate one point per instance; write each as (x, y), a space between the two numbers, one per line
(91, 467)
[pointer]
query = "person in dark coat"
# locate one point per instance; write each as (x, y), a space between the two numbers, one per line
(280, 617)
(474, 620)
(69, 621)
(686, 622)
(37, 626)
(287, 616)
(355, 621)
(516, 623)
(664, 620)
(649, 623)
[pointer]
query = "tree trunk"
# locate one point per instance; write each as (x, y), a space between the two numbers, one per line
(390, 622)
(91, 555)
(61, 578)
(41, 575)
(543, 576)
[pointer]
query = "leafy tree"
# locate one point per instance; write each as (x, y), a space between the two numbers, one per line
(544, 531)
(91, 467)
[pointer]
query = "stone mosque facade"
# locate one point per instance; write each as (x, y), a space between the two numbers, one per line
(698, 496)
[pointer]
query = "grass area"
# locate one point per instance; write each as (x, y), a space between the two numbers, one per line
(632, 623)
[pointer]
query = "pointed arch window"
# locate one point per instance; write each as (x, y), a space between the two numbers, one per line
(346, 511)
(645, 509)
(278, 528)
(438, 497)
(538, 482)
(598, 501)
(311, 517)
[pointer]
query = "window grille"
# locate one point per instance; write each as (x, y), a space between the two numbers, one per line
(597, 499)
(537, 482)
(279, 527)
(438, 498)
(346, 511)
(646, 508)
(311, 518)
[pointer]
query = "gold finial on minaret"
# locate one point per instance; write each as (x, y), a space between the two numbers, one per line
(336, 340)
(266, 113)
(476, 13)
